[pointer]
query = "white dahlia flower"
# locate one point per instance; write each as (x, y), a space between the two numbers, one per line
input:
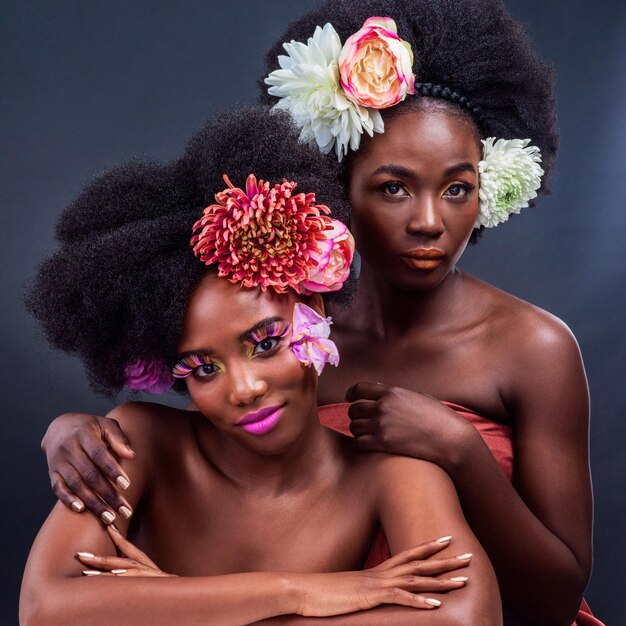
(510, 176)
(310, 89)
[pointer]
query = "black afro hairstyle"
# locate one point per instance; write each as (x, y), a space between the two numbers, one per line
(117, 287)
(470, 53)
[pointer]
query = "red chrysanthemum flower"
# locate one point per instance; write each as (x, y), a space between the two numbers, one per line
(262, 236)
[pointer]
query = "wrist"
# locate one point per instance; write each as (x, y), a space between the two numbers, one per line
(459, 448)
(294, 590)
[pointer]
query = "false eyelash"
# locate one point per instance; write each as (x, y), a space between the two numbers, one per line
(188, 364)
(275, 328)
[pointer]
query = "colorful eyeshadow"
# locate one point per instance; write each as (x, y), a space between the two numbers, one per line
(188, 364)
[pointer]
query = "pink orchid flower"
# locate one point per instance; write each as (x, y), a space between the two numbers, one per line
(310, 342)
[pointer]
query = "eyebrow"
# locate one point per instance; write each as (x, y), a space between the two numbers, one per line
(394, 170)
(404, 172)
(458, 168)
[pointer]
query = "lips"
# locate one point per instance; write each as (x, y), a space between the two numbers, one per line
(423, 258)
(261, 421)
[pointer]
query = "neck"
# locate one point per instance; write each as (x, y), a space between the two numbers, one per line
(311, 457)
(390, 311)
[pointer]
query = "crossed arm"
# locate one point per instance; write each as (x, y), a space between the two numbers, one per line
(55, 592)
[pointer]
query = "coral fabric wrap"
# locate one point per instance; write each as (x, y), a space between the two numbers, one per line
(499, 439)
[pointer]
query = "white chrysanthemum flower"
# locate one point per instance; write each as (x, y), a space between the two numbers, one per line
(309, 87)
(510, 176)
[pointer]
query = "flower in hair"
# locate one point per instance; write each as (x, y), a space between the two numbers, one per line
(333, 258)
(310, 340)
(270, 237)
(153, 376)
(375, 65)
(310, 89)
(510, 176)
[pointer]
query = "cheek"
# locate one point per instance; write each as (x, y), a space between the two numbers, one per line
(287, 373)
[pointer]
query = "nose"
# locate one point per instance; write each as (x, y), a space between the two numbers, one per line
(426, 218)
(245, 385)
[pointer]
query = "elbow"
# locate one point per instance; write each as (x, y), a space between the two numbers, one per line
(560, 608)
(38, 608)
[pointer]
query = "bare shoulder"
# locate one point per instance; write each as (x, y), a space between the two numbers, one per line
(521, 327)
(153, 428)
(536, 359)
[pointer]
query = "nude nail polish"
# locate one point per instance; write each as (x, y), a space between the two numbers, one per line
(465, 557)
(444, 539)
(86, 555)
(432, 602)
(125, 512)
(118, 571)
(91, 572)
(77, 506)
(460, 579)
(108, 517)
(123, 482)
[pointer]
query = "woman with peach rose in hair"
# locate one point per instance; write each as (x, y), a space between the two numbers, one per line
(251, 508)
(443, 120)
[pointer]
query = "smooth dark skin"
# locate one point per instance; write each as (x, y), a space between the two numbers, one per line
(250, 527)
(439, 333)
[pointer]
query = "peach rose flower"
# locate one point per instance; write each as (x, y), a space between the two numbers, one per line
(375, 65)
(333, 260)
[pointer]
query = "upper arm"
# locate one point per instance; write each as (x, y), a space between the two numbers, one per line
(548, 395)
(418, 503)
(64, 533)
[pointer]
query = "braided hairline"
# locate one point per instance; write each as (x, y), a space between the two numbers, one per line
(445, 93)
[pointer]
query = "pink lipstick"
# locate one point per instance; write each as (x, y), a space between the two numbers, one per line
(262, 421)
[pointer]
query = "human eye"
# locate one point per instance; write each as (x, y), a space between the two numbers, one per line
(269, 344)
(268, 337)
(197, 365)
(393, 188)
(205, 371)
(458, 190)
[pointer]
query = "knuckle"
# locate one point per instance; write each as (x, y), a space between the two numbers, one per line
(98, 453)
(92, 476)
(94, 504)
(75, 484)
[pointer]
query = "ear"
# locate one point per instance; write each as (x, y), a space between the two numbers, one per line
(316, 302)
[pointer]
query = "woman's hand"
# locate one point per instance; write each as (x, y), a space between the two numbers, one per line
(83, 470)
(399, 421)
(402, 580)
(133, 563)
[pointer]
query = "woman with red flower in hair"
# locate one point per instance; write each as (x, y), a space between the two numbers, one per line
(250, 507)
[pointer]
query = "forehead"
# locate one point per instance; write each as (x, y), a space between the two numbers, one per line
(219, 312)
(422, 136)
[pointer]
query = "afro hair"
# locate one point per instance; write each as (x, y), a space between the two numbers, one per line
(470, 53)
(117, 288)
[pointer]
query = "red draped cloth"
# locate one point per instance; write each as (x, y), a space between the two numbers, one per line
(499, 439)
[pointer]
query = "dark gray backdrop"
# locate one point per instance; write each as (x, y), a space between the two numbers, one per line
(87, 85)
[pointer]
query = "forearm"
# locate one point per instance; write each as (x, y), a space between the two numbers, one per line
(399, 616)
(539, 576)
(222, 600)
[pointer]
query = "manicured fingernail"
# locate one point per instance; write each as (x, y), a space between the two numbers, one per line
(460, 579)
(108, 517)
(125, 512)
(123, 482)
(77, 506)
(465, 557)
(91, 572)
(118, 571)
(432, 601)
(114, 528)
(86, 555)
(444, 539)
